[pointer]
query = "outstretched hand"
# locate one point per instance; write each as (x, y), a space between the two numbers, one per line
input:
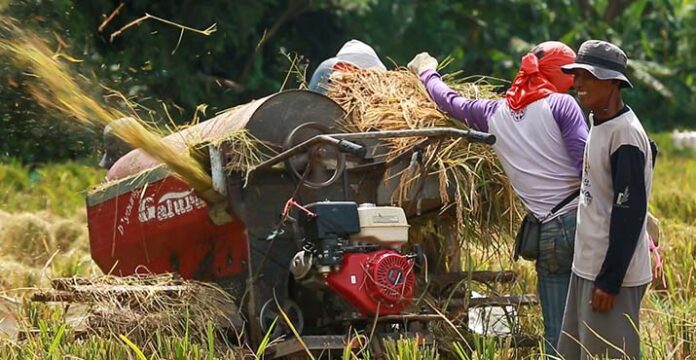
(421, 63)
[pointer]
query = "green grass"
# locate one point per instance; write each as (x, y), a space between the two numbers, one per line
(56, 340)
(668, 325)
(674, 182)
(57, 188)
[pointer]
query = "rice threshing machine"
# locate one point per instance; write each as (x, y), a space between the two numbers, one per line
(310, 232)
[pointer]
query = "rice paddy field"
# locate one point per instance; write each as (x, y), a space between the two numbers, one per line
(43, 231)
(43, 235)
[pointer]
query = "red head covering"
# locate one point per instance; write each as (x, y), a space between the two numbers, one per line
(537, 78)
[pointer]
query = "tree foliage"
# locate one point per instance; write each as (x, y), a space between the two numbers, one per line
(160, 66)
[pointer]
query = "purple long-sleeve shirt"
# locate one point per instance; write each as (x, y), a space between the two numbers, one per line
(540, 147)
(476, 113)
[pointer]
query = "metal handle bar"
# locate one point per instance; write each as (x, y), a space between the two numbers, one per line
(339, 140)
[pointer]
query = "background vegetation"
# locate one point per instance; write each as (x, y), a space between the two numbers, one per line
(247, 57)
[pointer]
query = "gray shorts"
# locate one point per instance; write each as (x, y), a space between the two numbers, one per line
(613, 334)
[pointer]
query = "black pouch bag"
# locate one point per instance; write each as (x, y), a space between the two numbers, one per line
(527, 239)
(528, 236)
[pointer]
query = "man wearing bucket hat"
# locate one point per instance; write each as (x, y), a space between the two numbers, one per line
(611, 266)
(353, 53)
(540, 136)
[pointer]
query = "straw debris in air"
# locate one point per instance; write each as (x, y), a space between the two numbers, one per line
(58, 89)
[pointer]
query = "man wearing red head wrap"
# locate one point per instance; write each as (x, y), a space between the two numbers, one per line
(541, 135)
(538, 78)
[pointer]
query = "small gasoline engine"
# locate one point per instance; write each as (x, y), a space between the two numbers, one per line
(354, 252)
(332, 266)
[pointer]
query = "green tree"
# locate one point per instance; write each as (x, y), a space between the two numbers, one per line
(158, 65)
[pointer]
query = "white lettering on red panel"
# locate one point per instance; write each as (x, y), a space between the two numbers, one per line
(168, 206)
(125, 219)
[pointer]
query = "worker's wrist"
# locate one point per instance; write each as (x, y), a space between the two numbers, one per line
(427, 73)
(607, 287)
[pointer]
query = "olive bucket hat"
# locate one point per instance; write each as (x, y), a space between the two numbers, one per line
(604, 60)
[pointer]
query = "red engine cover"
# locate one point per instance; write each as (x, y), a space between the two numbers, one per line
(162, 227)
(382, 281)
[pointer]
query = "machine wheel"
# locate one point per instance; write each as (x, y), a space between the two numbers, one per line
(269, 313)
(324, 163)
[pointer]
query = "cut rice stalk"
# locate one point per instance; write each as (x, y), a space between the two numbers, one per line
(57, 89)
(183, 165)
(469, 174)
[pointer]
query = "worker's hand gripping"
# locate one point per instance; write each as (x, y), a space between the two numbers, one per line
(422, 62)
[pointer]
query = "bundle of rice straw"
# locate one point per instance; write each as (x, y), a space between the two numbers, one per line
(56, 88)
(469, 174)
(28, 239)
(18, 274)
(143, 307)
(69, 234)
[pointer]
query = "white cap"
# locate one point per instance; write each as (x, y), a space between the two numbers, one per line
(357, 53)
(353, 52)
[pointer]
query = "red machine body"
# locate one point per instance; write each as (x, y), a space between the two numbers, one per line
(157, 224)
(379, 282)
